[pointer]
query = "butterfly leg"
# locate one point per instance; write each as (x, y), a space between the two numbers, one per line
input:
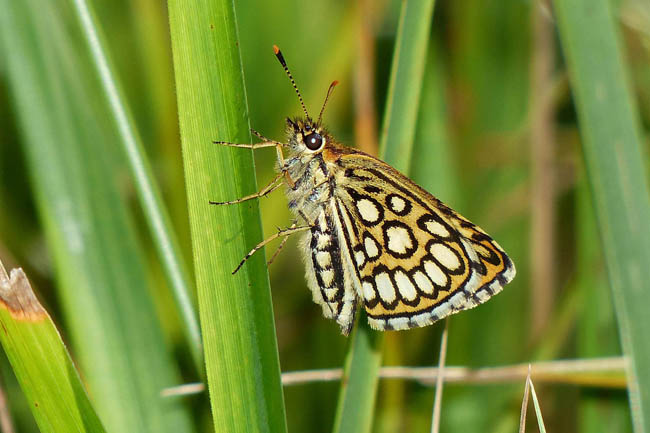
(264, 139)
(279, 248)
(266, 142)
(281, 233)
(272, 186)
(286, 238)
(247, 145)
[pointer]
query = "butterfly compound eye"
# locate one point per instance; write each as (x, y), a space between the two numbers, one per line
(313, 141)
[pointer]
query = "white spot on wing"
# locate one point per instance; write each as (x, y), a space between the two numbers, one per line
(360, 258)
(377, 324)
(435, 228)
(328, 277)
(397, 204)
(483, 295)
(368, 210)
(446, 256)
(372, 250)
(435, 273)
(399, 240)
(423, 319)
(323, 259)
(442, 310)
(399, 323)
(368, 291)
(460, 300)
(423, 283)
(322, 241)
(405, 286)
(385, 287)
(330, 294)
(346, 312)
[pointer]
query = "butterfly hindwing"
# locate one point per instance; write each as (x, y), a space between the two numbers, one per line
(415, 259)
(327, 274)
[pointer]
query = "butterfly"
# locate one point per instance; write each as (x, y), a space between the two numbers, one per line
(371, 236)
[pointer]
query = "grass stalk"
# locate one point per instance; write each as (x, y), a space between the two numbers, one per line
(614, 161)
(437, 401)
(236, 313)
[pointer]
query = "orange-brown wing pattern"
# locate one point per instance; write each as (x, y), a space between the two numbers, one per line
(416, 260)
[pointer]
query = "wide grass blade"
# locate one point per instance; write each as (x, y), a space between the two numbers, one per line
(40, 360)
(236, 313)
(613, 157)
(157, 217)
(73, 161)
(597, 334)
(359, 387)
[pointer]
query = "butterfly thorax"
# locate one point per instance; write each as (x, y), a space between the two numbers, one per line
(313, 185)
(311, 168)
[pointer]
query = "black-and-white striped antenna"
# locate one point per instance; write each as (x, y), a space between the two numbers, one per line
(280, 57)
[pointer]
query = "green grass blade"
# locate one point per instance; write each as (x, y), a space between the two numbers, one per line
(409, 57)
(434, 169)
(613, 157)
(72, 159)
(359, 382)
(40, 360)
(359, 387)
(596, 334)
(538, 409)
(157, 217)
(236, 312)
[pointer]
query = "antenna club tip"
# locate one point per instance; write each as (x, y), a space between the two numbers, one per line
(335, 83)
(276, 50)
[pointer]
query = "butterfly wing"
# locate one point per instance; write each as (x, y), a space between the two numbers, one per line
(328, 271)
(415, 259)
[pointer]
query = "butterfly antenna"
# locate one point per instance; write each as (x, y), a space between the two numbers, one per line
(280, 57)
(327, 97)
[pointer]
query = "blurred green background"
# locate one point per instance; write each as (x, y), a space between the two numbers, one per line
(497, 139)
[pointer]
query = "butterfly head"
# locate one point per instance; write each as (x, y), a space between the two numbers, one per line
(307, 136)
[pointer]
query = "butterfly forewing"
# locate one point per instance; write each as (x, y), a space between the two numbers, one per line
(415, 260)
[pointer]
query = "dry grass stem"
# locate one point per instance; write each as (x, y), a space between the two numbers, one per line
(542, 137)
(437, 401)
(6, 424)
(594, 372)
(524, 404)
(365, 127)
